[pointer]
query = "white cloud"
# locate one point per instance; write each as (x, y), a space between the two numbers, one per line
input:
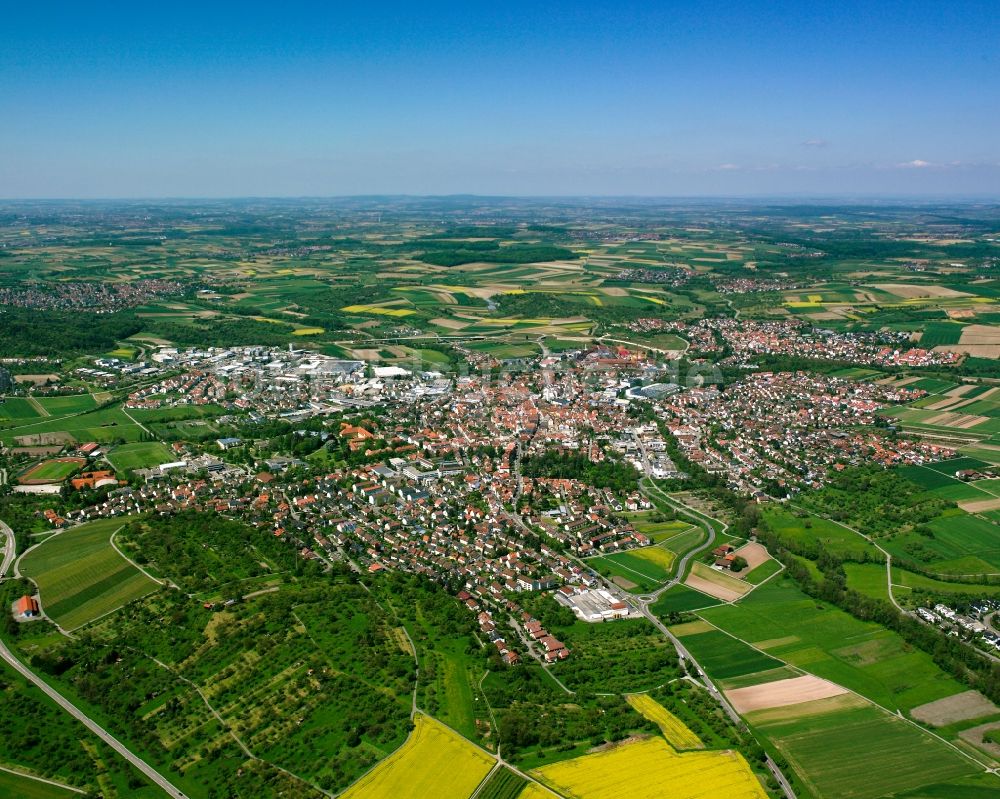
(815, 143)
(915, 164)
(727, 167)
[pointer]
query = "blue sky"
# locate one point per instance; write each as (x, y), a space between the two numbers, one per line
(657, 98)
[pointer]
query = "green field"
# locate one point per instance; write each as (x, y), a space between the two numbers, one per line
(960, 543)
(18, 787)
(138, 456)
(804, 527)
(503, 784)
(830, 750)
(658, 532)
(73, 403)
(81, 577)
(767, 569)
(103, 425)
(870, 579)
(820, 638)
(679, 599)
(648, 567)
(177, 414)
(17, 408)
(723, 656)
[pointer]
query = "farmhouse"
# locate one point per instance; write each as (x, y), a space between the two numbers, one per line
(27, 607)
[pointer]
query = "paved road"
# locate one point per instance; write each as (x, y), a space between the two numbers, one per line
(152, 774)
(9, 551)
(685, 559)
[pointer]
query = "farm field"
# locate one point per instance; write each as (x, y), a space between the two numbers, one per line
(503, 784)
(759, 574)
(641, 769)
(673, 729)
(679, 599)
(14, 409)
(73, 403)
(102, 425)
(646, 568)
(715, 583)
(722, 655)
(145, 454)
(659, 532)
(830, 741)
(81, 577)
(825, 641)
(433, 761)
(962, 544)
(14, 785)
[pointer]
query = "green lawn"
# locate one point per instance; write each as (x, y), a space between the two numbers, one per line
(81, 577)
(139, 455)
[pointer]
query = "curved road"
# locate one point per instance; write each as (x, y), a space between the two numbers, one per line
(682, 564)
(9, 548)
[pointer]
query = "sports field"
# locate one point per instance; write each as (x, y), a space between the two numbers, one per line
(434, 761)
(140, 455)
(51, 471)
(81, 577)
(644, 769)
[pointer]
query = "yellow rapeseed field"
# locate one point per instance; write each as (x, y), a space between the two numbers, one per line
(377, 309)
(673, 729)
(433, 762)
(651, 769)
(663, 558)
(535, 791)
